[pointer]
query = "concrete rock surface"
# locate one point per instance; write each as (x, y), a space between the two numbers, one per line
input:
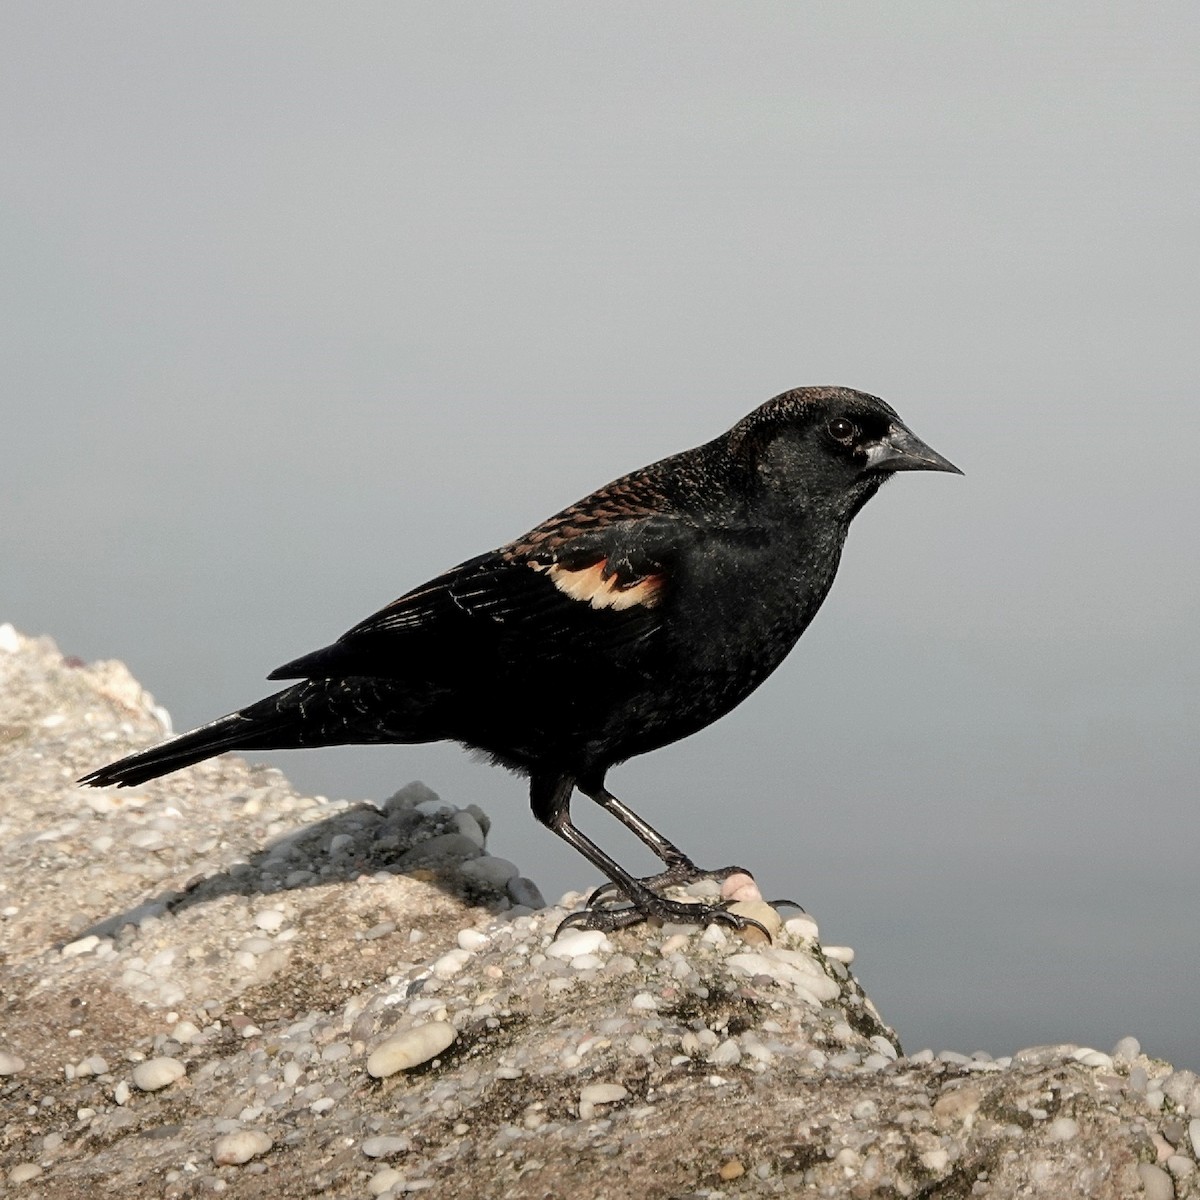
(270, 943)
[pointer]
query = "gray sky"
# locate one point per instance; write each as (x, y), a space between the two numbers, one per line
(304, 303)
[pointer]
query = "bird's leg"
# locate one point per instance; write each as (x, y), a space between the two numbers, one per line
(680, 868)
(550, 799)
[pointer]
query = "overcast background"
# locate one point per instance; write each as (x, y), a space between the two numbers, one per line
(303, 303)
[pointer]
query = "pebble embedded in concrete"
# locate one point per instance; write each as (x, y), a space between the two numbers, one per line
(411, 1048)
(234, 1149)
(157, 1073)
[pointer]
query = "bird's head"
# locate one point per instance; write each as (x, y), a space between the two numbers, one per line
(829, 446)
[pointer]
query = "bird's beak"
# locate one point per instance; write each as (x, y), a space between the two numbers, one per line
(901, 450)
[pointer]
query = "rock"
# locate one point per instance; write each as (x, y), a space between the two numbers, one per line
(1127, 1050)
(411, 1048)
(525, 891)
(653, 1061)
(157, 1073)
(383, 1181)
(764, 914)
(470, 828)
(442, 848)
(731, 1170)
(599, 1093)
(489, 870)
(240, 1147)
(1156, 1183)
(385, 1147)
(740, 888)
(576, 942)
(11, 1064)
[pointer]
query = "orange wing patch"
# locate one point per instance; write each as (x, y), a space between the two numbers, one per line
(591, 585)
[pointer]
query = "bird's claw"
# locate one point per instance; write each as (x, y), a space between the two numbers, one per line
(608, 920)
(679, 874)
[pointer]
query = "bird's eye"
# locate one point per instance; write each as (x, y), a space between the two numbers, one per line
(841, 430)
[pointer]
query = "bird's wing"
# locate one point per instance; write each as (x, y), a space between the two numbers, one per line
(586, 582)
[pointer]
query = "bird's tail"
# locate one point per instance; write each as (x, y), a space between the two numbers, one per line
(317, 712)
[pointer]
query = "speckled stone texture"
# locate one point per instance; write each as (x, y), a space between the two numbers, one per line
(196, 974)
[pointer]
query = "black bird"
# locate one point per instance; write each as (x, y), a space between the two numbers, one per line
(633, 618)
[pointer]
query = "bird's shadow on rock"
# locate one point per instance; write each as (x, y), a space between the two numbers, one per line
(362, 840)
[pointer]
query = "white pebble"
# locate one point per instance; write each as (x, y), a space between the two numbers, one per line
(1094, 1058)
(936, 1160)
(466, 824)
(644, 1002)
(801, 928)
(1127, 1049)
(121, 1093)
(84, 945)
(842, 954)
(1062, 1129)
(10, 1064)
(794, 967)
(10, 639)
(383, 1181)
(411, 1048)
(384, 1147)
(156, 1073)
(1194, 1134)
(270, 919)
(291, 1073)
(602, 1093)
(236, 1148)
(451, 963)
(471, 939)
(23, 1172)
(727, 1054)
(883, 1046)
(576, 942)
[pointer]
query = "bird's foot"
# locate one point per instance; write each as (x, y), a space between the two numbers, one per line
(608, 919)
(678, 874)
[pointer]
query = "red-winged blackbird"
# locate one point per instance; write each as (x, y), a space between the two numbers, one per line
(631, 619)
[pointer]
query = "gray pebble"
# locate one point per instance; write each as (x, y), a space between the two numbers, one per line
(1127, 1049)
(525, 892)
(495, 872)
(470, 828)
(10, 1064)
(446, 847)
(384, 1147)
(1156, 1183)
